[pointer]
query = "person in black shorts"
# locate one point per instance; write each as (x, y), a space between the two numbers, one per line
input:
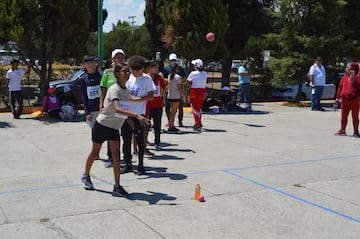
(107, 125)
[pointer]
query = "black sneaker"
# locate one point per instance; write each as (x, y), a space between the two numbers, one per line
(87, 184)
(197, 128)
(173, 130)
(148, 153)
(141, 170)
(126, 169)
(119, 191)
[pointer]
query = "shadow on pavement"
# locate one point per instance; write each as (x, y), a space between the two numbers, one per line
(4, 125)
(165, 157)
(152, 198)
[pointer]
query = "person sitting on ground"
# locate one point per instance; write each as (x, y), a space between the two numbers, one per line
(51, 104)
(68, 104)
(227, 101)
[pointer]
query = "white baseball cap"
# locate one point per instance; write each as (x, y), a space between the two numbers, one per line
(172, 57)
(116, 51)
(198, 63)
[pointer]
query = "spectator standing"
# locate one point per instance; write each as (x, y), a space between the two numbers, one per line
(317, 76)
(244, 76)
(349, 93)
(108, 79)
(90, 89)
(142, 89)
(174, 95)
(13, 81)
(197, 80)
(181, 71)
(107, 126)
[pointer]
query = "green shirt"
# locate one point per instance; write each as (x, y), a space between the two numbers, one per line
(108, 78)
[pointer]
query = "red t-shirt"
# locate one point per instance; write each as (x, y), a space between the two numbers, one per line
(157, 102)
(349, 89)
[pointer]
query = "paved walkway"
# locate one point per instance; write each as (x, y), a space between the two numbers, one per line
(277, 172)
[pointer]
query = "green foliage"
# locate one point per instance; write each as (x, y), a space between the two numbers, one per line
(307, 29)
(154, 22)
(186, 24)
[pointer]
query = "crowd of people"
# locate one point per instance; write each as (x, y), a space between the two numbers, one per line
(123, 99)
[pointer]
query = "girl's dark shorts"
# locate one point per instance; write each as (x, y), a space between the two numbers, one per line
(101, 133)
(174, 100)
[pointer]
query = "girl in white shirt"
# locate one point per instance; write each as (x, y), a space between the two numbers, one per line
(197, 79)
(174, 95)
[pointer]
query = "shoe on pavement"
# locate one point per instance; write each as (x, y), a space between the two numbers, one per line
(119, 191)
(108, 163)
(126, 169)
(173, 130)
(356, 135)
(340, 133)
(147, 152)
(181, 124)
(88, 185)
(158, 147)
(141, 170)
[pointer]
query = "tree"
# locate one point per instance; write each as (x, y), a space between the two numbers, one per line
(154, 23)
(247, 19)
(186, 24)
(46, 28)
(308, 29)
(93, 7)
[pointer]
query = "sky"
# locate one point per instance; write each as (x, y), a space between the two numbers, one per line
(121, 10)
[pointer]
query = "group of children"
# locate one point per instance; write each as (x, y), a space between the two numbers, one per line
(121, 102)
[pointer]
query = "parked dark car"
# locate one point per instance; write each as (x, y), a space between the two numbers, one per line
(73, 82)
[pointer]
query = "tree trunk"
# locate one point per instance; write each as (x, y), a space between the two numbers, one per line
(226, 71)
(44, 83)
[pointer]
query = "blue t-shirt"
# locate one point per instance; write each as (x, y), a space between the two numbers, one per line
(243, 78)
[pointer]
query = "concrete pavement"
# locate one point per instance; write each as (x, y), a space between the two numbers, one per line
(277, 172)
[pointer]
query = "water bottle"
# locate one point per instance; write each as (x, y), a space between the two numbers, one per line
(197, 191)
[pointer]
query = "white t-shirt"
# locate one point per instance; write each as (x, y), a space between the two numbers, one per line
(15, 79)
(173, 92)
(108, 116)
(319, 74)
(139, 87)
(198, 79)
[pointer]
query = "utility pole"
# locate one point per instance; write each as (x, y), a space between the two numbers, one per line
(100, 31)
(132, 24)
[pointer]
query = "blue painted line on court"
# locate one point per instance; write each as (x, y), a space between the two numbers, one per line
(26, 190)
(278, 164)
(293, 196)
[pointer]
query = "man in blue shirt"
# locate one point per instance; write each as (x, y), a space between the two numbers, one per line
(317, 81)
(244, 74)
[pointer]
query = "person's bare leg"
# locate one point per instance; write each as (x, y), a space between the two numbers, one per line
(91, 157)
(115, 152)
(174, 107)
